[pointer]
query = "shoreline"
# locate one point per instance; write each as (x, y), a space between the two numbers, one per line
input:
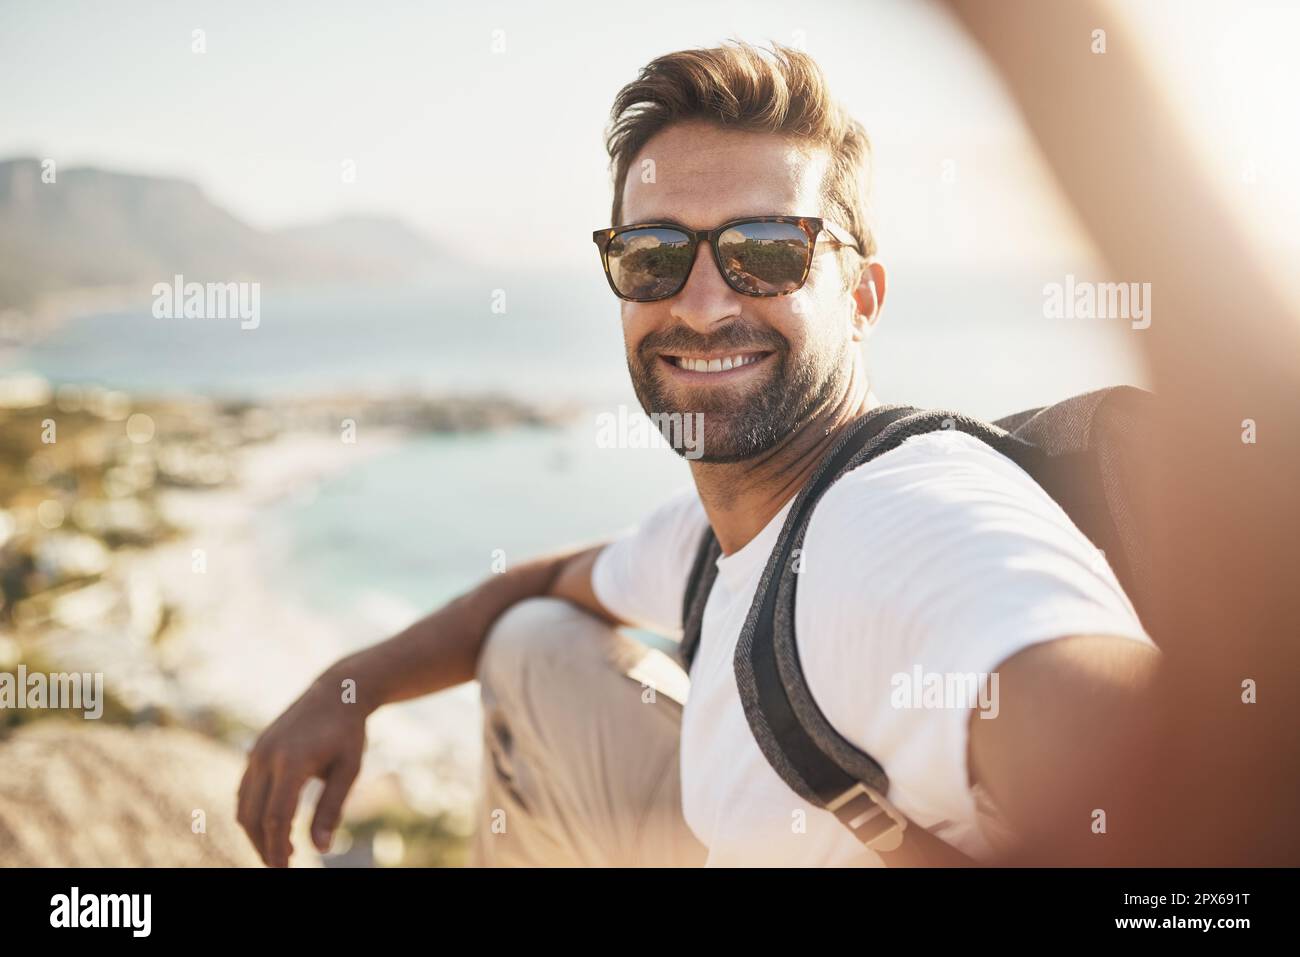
(252, 657)
(221, 644)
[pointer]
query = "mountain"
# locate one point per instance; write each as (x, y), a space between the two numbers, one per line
(370, 244)
(96, 228)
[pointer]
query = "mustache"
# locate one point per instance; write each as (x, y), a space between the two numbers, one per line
(736, 337)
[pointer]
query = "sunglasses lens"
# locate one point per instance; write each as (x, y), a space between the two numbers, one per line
(649, 263)
(764, 259)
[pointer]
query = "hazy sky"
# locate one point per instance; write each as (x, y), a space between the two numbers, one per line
(470, 144)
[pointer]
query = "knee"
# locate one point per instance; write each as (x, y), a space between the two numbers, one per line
(532, 637)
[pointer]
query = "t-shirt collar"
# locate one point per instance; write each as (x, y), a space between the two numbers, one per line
(735, 568)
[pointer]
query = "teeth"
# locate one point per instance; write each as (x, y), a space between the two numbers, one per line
(714, 365)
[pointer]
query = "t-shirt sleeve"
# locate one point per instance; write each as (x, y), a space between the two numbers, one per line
(941, 558)
(641, 576)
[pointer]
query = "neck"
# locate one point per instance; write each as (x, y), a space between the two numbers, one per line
(740, 498)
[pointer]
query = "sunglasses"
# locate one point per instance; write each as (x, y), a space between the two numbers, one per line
(757, 256)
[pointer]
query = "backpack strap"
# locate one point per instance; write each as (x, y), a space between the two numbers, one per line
(814, 759)
(854, 794)
(704, 568)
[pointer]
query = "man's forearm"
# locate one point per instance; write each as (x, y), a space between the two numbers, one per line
(441, 649)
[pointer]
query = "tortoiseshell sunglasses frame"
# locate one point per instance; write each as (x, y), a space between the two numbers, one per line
(812, 226)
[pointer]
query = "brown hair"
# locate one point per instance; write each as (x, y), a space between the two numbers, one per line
(737, 86)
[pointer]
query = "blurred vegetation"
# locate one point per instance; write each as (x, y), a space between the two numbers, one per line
(412, 839)
(115, 712)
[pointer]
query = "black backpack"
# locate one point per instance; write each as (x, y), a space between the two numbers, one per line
(1085, 452)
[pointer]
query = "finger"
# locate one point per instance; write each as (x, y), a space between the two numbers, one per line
(252, 798)
(329, 809)
(278, 815)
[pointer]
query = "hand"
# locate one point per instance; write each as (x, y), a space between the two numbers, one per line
(319, 736)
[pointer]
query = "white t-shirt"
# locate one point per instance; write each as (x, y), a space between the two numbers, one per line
(941, 555)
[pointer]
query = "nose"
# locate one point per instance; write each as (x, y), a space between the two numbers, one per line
(706, 299)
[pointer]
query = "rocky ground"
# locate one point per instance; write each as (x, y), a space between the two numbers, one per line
(88, 794)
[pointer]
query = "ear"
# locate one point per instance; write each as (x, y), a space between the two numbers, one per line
(868, 299)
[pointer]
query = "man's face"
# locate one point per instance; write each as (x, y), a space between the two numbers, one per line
(797, 350)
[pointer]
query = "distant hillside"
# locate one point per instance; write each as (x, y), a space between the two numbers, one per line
(370, 244)
(95, 228)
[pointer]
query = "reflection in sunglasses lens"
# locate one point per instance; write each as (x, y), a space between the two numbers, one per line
(649, 263)
(764, 259)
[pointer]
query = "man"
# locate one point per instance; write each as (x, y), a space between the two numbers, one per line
(941, 555)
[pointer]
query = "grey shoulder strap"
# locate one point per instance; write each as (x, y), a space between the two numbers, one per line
(699, 582)
(794, 735)
(813, 759)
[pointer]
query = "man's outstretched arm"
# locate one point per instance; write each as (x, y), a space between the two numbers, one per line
(1064, 707)
(322, 735)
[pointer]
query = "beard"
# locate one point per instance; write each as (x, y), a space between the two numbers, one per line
(739, 422)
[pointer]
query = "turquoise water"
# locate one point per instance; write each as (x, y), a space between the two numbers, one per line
(409, 529)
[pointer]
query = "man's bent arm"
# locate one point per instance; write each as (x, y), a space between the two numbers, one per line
(322, 734)
(441, 649)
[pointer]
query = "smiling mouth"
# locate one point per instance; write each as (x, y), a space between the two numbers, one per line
(715, 365)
